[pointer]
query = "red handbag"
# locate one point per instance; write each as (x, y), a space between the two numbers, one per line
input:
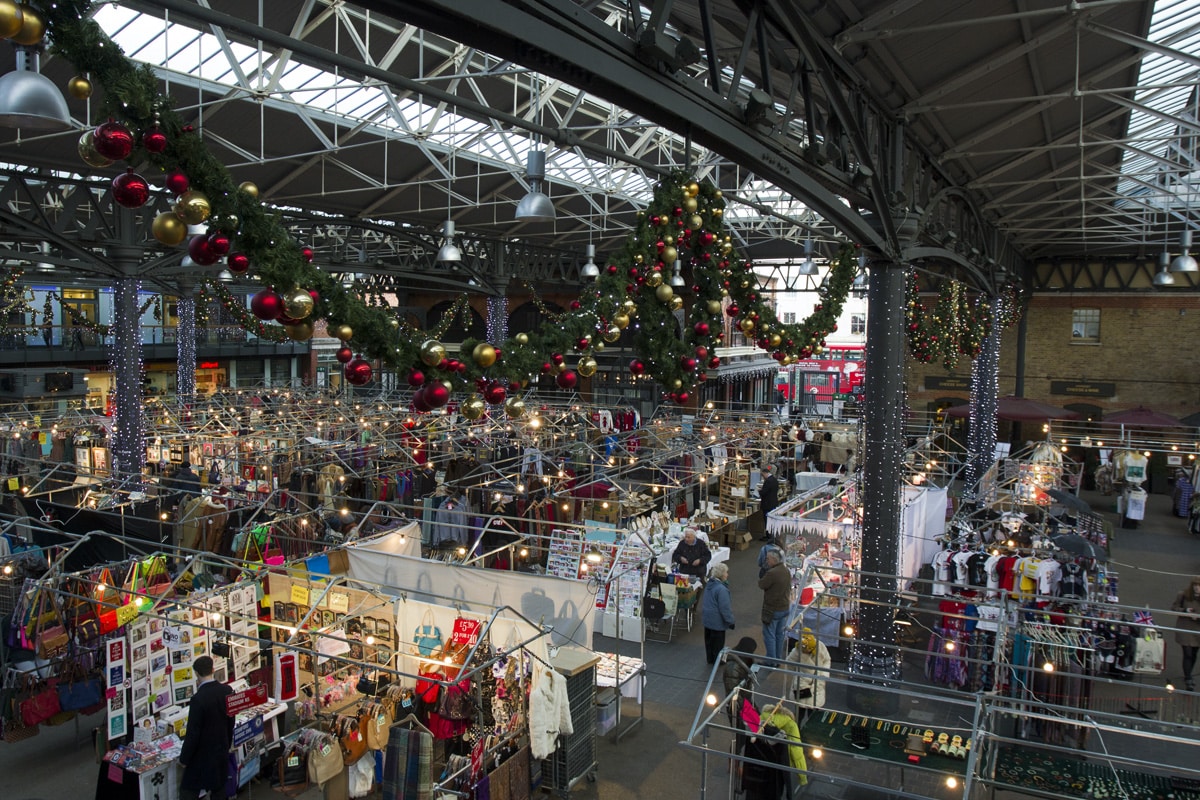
(40, 706)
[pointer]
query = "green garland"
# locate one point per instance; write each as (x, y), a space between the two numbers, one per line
(958, 325)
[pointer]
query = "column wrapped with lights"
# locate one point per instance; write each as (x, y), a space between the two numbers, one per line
(128, 439)
(874, 653)
(497, 319)
(185, 368)
(981, 438)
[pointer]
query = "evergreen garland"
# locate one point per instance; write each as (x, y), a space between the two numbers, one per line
(958, 325)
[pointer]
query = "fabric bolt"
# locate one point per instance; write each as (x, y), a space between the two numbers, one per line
(406, 770)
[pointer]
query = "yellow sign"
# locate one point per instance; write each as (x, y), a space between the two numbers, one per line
(14, 484)
(299, 594)
(126, 613)
(41, 438)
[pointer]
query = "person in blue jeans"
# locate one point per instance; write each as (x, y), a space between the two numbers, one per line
(776, 585)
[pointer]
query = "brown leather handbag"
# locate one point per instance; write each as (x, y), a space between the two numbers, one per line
(350, 737)
(374, 721)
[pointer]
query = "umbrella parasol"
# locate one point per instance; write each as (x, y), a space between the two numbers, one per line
(1077, 545)
(1018, 409)
(1068, 500)
(1146, 417)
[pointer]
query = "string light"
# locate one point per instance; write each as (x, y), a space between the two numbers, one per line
(128, 368)
(185, 371)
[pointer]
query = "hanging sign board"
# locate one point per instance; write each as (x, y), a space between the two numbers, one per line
(238, 702)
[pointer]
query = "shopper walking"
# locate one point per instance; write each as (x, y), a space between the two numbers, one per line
(716, 611)
(776, 586)
(1188, 624)
(768, 495)
(205, 753)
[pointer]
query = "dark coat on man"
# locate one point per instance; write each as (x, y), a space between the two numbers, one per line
(205, 751)
(768, 493)
(186, 481)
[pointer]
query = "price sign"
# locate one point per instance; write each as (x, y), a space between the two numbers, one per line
(238, 702)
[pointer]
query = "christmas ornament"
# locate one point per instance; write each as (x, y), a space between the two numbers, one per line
(690, 204)
(676, 303)
(154, 141)
(358, 372)
(701, 352)
(733, 310)
(419, 402)
(200, 252)
(654, 280)
(714, 362)
(432, 353)
(113, 140)
(637, 367)
(177, 182)
(472, 408)
(557, 358)
(437, 395)
(587, 366)
(494, 394)
(249, 188)
(567, 380)
(78, 87)
(89, 154)
(238, 262)
(192, 207)
(688, 363)
(33, 27)
(219, 243)
(299, 331)
(484, 355)
(713, 307)
(701, 328)
(664, 293)
(775, 339)
(547, 368)
(693, 189)
(676, 384)
(612, 333)
(621, 321)
(298, 304)
(670, 255)
(266, 304)
(168, 229)
(307, 254)
(598, 346)
(514, 407)
(682, 398)
(522, 338)
(10, 19)
(345, 355)
(344, 332)
(746, 325)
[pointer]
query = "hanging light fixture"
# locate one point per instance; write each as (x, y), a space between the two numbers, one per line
(808, 266)
(590, 270)
(677, 278)
(1184, 262)
(535, 206)
(449, 252)
(225, 276)
(29, 99)
(1163, 277)
(860, 280)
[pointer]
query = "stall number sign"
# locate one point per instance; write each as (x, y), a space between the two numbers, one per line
(238, 702)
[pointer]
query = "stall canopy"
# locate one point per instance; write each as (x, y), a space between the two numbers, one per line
(1018, 409)
(1145, 417)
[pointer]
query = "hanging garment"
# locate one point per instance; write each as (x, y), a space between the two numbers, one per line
(406, 771)
(549, 711)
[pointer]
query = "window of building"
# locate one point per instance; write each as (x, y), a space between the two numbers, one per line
(858, 324)
(1085, 324)
(789, 318)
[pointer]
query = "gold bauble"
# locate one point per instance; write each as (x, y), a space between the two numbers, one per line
(613, 332)
(297, 303)
(670, 255)
(668, 239)
(718, 194)
(677, 384)
(718, 213)
(432, 353)
(629, 305)
(745, 284)
(10, 19)
(522, 338)
(33, 27)
(786, 360)
(168, 229)
(87, 151)
(597, 346)
(446, 383)
(696, 222)
(775, 339)
(300, 331)
(654, 279)
(690, 205)
(664, 293)
(561, 368)
(639, 259)
(818, 350)
(472, 408)
(587, 366)
(514, 407)
(621, 321)
(484, 355)
(344, 332)
(746, 325)
(676, 303)
(249, 187)
(192, 207)
(693, 189)
(395, 323)
(713, 307)
(724, 292)
(726, 249)
(79, 87)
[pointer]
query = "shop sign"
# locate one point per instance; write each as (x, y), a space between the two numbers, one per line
(238, 702)
(209, 365)
(1083, 388)
(952, 382)
(247, 729)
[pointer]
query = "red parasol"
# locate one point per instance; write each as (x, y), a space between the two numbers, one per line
(1145, 417)
(1018, 409)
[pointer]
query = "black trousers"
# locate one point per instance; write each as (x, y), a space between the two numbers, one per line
(714, 643)
(1189, 658)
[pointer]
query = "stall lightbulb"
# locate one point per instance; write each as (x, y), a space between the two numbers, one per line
(370, 640)
(949, 647)
(566, 506)
(817, 752)
(1010, 543)
(100, 588)
(345, 511)
(848, 630)
(604, 504)
(711, 699)
(214, 616)
(583, 567)
(164, 516)
(8, 569)
(304, 522)
(141, 601)
(1170, 687)
(462, 551)
(952, 782)
(1048, 666)
(524, 552)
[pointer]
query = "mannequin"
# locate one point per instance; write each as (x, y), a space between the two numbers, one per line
(806, 684)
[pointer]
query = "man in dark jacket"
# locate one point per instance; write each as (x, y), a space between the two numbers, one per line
(205, 754)
(186, 481)
(776, 584)
(768, 495)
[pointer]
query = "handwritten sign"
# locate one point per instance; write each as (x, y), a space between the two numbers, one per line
(299, 594)
(238, 702)
(339, 602)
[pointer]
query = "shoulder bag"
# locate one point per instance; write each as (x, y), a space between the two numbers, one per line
(324, 759)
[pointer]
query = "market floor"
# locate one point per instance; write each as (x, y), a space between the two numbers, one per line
(1154, 562)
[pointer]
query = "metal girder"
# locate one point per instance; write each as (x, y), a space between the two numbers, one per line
(1103, 276)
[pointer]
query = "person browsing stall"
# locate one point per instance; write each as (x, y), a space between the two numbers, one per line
(716, 611)
(1187, 604)
(776, 585)
(691, 555)
(768, 495)
(205, 753)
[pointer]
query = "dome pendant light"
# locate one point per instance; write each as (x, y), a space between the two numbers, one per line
(808, 266)
(1184, 261)
(29, 99)
(1163, 277)
(449, 252)
(590, 270)
(535, 206)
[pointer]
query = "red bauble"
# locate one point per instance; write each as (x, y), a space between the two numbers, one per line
(701, 352)
(201, 252)
(494, 394)
(154, 140)
(688, 364)
(547, 368)
(702, 376)
(637, 367)
(437, 395)
(415, 378)
(714, 362)
(130, 189)
(612, 269)
(499, 353)
(113, 140)
(358, 372)
(576, 305)
(567, 380)
(701, 328)
(709, 237)
(178, 183)
(315, 295)
(582, 345)
(557, 358)
(266, 304)
(238, 262)
(219, 243)
(420, 404)
(307, 254)
(344, 355)
(633, 272)
(284, 319)
(733, 310)
(778, 355)
(682, 398)
(514, 387)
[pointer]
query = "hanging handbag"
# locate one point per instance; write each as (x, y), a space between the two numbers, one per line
(427, 638)
(39, 705)
(291, 770)
(1149, 653)
(455, 702)
(76, 695)
(350, 738)
(324, 759)
(374, 721)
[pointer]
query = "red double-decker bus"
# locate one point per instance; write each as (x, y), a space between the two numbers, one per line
(817, 381)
